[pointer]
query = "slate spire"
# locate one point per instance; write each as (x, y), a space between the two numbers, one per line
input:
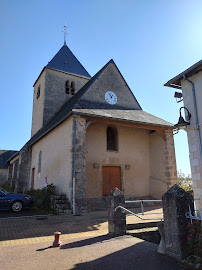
(65, 61)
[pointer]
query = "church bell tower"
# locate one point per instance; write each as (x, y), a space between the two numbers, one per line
(59, 80)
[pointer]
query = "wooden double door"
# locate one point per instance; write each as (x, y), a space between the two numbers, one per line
(111, 177)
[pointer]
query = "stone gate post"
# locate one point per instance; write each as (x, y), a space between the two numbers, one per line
(176, 202)
(116, 219)
(80, 166)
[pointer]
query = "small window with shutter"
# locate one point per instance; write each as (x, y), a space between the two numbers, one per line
(112, 138)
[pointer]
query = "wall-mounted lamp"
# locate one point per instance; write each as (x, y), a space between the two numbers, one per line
(182, 124)
(178, 97)
(96, 165)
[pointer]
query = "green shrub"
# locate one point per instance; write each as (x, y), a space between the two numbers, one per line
(194, 239)
(7, 187)
(41, 197)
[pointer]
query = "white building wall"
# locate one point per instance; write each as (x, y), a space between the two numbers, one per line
(56, 162)
(194, 151)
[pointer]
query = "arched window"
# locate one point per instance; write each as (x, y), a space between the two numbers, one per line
(72, 88)
(67, 90)
(112, 138)
(39, 162)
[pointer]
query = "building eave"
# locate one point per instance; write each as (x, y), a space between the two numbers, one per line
(176, 81)
(123, 120)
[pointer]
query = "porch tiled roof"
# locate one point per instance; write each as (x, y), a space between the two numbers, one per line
(136, 116)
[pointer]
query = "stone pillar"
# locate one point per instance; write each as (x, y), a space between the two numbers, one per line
(23, 177)
(196, 165)
(170, 162)
(176, 202)
(116, 219)
(80, 166)
(9, 176)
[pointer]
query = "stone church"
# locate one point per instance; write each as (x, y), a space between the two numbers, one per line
(90, 135)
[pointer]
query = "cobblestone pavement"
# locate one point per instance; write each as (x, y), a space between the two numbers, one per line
(35, 229)
(41, 228)
(26, 243)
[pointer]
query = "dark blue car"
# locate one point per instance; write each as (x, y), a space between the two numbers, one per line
(14, 201)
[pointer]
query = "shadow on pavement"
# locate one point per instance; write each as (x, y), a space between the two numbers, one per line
(139, 257)
(29, 227)
(42, 249)
(87, 242)
(14, 226)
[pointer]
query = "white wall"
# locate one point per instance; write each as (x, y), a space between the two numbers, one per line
(56, 164)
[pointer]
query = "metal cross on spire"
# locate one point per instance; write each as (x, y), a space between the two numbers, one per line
(65, 33)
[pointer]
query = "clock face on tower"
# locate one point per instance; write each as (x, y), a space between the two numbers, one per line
(111, 97)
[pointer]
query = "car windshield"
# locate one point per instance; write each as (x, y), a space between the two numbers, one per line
(3, 190)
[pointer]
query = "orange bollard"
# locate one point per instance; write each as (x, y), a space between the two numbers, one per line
(57, 241)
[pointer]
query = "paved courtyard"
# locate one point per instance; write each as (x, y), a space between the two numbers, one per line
(38, 228)
(87, 253)
(26, 244)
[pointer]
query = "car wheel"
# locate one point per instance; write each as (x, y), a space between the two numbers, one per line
(17, 206)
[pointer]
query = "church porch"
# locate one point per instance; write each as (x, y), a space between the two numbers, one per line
(142, 164)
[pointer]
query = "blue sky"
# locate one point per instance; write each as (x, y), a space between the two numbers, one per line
(151, 41)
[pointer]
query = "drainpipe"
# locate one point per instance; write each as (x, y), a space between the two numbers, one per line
(196, 114)
(74, 155)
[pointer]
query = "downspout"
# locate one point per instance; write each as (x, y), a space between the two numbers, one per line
(196, 114)
(74, 155)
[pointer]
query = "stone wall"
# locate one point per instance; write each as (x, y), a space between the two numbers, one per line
(38, 104)
(52, 95)
(13, 172)
(158, 183)
(55, 95)
(23, 181)
(170, 161)
(80, 165)
(163, 163)
(3, 175)
(5, 155)
(9, 176)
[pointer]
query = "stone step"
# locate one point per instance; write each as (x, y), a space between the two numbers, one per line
(63, 211)
(63, 206)
(150, 234)
(62, 201)
(142, 225)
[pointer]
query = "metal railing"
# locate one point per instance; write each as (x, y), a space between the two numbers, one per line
(142, 203)
(130, 212)
(142, 209)
(194, 216)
